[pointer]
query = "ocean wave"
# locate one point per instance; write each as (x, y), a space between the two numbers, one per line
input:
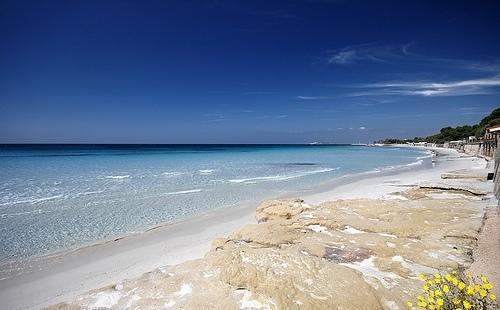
(280, 177)
(416, 163)
(206, 171)
(171, 173)
(119, 177)
(189, 191)
(428, 154)
(32, 201)
(88, 193)
(424, 157)
(413, 164)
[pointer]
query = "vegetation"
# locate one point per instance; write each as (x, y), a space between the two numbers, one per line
(455, 291)
(457, 133)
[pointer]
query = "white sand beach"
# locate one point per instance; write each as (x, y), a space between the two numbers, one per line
(63, 277)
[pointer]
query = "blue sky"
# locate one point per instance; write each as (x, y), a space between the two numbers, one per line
(244, 72)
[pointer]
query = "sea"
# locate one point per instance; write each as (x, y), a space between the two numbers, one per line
(60, 197)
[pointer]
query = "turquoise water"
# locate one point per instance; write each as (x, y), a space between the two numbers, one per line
(56, 197)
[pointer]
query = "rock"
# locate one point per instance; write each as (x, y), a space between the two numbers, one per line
(280, 209)
(465, 174)
(346, 254)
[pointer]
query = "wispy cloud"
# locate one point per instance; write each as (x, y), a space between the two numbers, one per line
(217, 118)
(365, 53)
(312, 97)
(430, 89)
(402, 53)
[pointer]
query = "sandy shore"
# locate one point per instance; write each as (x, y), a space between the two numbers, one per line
(55, 279)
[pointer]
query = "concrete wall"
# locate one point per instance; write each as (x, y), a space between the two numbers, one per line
(496, 170)
(472, 149)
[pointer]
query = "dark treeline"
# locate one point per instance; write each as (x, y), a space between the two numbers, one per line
(454, 133)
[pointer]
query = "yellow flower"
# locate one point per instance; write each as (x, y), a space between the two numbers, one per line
(467, 304)
(440, 302)
(484, 279)
(430, 300)
(488, 286)
(430, 282)
(409, 304)
(455, 281)
(422, 304)
(470, 290)
(422, 277)
(438, 293)
(425, 287)
(448, 277)
(446, 289)
(420, 297)
(456, 301)
(461, 285)
(493, 297)
(437, 276)
(483, 293)
(431, 293)
(437, 281)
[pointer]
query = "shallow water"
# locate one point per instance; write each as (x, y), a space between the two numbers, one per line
(56, 197)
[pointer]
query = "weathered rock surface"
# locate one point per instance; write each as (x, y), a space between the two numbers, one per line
(465, 174)
(346, 254)
(280, 209)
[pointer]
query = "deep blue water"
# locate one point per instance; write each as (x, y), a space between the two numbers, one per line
(54, 197)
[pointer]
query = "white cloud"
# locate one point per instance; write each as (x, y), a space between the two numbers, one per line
(403, 53)
(362, 128)
(311, 97)
(431, 89)
(365, 53)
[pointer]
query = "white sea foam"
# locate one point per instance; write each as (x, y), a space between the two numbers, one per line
(282, 177)
(206, 171)
(172, 173)
(424, 157)
(117, 176)
(190, 191)
(388, 168)
(32, 201)
(88, 193)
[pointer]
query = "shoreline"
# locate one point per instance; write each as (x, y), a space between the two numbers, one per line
(319, 187)
(130, 256)
(419, 164)
(312, 254)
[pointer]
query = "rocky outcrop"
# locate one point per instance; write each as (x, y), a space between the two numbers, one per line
(280, 209)
(346, 254)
